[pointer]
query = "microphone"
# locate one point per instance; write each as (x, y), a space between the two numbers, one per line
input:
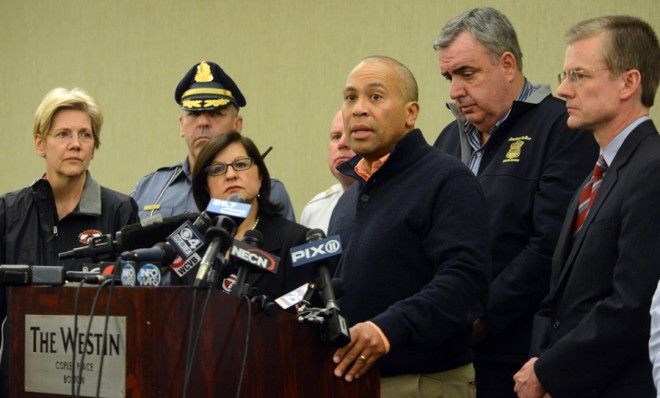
(319, 248)
(127, 272)
(252, 239)
(338, 287)
(93, 278)
(132, 236)
(236, 197)
(149, 274)
(14, 275)
(108, 271)
(135, 236)
(188, 237)
(334, 330)
(97, 246)
(220, 237)
(248, 251)
(234, 207)
(161, 252)
(187, 240)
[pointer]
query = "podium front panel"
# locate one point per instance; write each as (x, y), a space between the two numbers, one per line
(285, 358)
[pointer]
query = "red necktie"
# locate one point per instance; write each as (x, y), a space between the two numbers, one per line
(589, 192)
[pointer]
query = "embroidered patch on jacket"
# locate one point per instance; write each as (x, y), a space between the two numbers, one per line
(515, 148)
(88, 234)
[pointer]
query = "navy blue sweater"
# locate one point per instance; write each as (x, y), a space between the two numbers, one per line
(415, 256)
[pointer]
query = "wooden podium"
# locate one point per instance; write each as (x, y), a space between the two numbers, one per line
(285, 358)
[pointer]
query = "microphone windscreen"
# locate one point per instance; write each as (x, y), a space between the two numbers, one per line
(127, 273)
(169, 253)
(203, 222)
(314, 234)
(148, 275)
(235, 197)
(136, 236)
(223, 226)
(254, 238)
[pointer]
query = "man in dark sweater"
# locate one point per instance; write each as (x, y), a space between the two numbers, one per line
(416, 264)
(514, 138)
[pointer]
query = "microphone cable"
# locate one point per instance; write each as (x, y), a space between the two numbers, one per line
(186, 366)
(192, 342)
(186, 375)
(105, 332)
(89, 327)
(247, 344)
(76, 308)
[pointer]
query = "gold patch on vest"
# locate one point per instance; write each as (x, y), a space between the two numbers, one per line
(515, 148)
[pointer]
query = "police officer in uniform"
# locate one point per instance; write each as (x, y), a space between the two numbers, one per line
(210, 101)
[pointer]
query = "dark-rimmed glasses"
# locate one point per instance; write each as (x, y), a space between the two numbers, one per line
(217, 169)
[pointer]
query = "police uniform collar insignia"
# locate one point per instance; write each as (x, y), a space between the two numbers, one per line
(151, 207)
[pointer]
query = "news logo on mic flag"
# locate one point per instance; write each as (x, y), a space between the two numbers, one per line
(255, 256)
(186, 239)
(228, 208)
(182, 266)
(128, 275)
(316, 250)
(148, 275)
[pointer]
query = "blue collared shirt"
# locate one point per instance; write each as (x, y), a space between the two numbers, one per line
(168, 192)
(613, 147)
(474, 136)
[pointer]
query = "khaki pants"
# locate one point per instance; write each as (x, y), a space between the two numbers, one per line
(453, 383)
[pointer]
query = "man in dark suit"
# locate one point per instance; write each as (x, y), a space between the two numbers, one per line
(591, 333)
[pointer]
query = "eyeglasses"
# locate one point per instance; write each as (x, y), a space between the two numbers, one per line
(217, 169)
(576, 75)
(67, 136)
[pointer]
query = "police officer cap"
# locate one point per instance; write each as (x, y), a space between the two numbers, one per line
(206, 87)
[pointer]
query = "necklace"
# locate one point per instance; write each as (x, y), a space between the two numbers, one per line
(255, 224)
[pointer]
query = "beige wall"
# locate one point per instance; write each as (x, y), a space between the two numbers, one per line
(290, 59)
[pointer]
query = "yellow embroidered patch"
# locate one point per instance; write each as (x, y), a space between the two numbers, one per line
(515, 148)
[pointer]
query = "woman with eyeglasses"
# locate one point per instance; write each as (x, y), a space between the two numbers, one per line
(66, 207)
(231, 164)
